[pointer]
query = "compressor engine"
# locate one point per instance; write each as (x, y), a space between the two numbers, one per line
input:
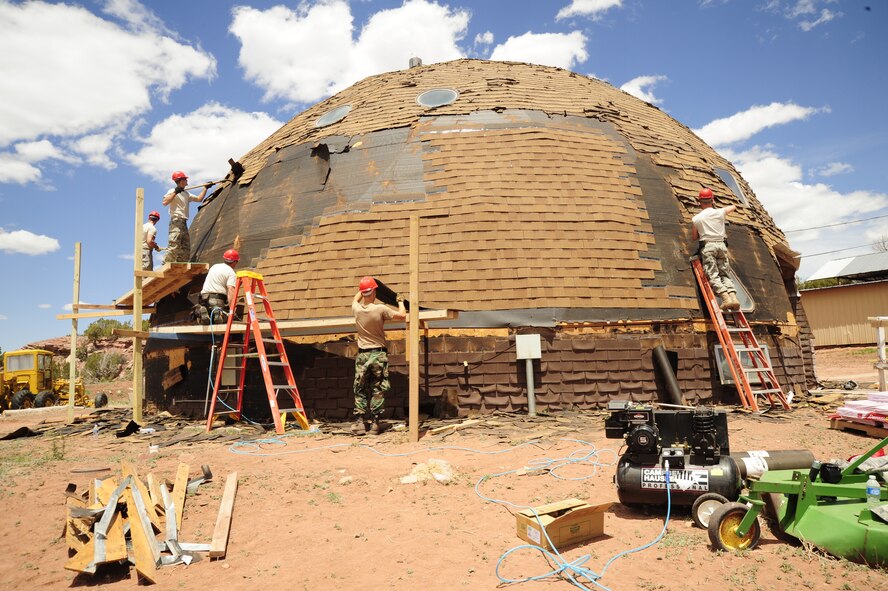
(695, 442)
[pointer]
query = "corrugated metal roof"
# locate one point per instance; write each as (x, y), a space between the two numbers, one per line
(866, 264)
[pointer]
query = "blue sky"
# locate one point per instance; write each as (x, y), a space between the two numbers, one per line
(100, 97)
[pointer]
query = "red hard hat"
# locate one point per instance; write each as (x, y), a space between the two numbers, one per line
(179, 175)
(368, 283)
(705, 194)
(154, 214)
(230, 256)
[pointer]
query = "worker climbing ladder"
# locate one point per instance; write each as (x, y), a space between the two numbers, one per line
(736, 338)
(254, 347)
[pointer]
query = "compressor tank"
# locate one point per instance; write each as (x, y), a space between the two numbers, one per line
(646, 485)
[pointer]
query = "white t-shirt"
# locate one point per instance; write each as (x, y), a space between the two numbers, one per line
(149, 233)
(710, 224)
(219, 279)
(180, 204)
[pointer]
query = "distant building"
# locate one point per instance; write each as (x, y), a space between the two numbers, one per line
(838, 314)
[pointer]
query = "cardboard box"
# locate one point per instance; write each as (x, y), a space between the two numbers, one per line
(567, 522)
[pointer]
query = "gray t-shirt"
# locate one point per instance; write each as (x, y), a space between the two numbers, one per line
(219, 279)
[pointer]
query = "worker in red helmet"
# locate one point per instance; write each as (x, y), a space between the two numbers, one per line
(149, 241)
(178, 200)
(371, 364)
(709, 229)
(218, 289)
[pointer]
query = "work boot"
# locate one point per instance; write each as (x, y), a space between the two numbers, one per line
(726, 302)
(733, 302)
(360, 427)
(375, 428)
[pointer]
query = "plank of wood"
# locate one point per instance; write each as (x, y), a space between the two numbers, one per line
(115, 543)
(127, 469)
(871, 430)
(143, 557)
(219, 545)
(130, 334)
(454, 427)
(104, 490)
(179, 489)
(154, 491)
(93, 314)
(80, 561)
(173, 377)
(314, 326)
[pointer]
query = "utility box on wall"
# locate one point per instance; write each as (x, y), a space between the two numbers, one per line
(528, 346)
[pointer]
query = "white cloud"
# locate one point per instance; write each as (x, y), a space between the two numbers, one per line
(825, 17)
(44, 306)
(308, 53)
(777, 182)
(743, 125)
(126, 257)
(24, 242)
(563, 50)
(804, 11)
(485, 38)
(13, 169)
(833, 168)
(106, 75)
(643, 87)
(215, 133)
(94, 148)
(594, 9)
(41, 150)
(2, 317)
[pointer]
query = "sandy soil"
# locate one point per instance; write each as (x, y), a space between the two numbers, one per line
(841, 364)
(299, 523)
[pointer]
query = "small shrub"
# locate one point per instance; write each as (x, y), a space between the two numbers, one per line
(103, 367)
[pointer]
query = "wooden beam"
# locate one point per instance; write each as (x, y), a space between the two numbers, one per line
(137, 307)
(72, 366)
(219, 545)
(179, 493)
(300, 326)
(127, 469)
(413, 333)
(143, 273)
(76, 315)
(135, 334)
(83, 306)
(454, 427)
(143, 556)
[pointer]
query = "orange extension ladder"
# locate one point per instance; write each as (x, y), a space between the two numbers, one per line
(254, 288)
(745, 342)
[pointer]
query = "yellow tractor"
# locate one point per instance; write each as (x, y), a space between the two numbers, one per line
(30, 370)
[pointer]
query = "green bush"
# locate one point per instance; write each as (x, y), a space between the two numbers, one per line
(104, 329)
(103, 367)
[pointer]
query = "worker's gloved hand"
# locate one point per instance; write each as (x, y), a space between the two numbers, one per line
(209, 184)
(178, 190)
(399, 299)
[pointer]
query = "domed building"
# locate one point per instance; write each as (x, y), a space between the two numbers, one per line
(550, 203)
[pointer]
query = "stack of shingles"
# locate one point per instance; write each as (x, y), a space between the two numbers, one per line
(872, 412)
(120, 519)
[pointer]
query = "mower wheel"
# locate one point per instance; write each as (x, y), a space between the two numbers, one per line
(22, 399)
(723, 528)
(704, 507)
(772, 504)
(101, 400)
(45, 398)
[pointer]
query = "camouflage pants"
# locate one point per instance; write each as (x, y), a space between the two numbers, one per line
(147, 259)
(371, 383)
(179, 242)
(717, 267)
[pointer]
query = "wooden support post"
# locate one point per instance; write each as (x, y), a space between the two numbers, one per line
(72, 365)
(413, 332)
(137, 307)
(219, 545)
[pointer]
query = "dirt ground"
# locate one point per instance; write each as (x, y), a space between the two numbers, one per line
(328, 510)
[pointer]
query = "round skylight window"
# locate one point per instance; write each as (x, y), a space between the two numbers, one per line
(333, 116)
(437, 97)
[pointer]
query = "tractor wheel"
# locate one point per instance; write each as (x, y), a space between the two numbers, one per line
(704, 507)
(3, 404)
(723, 528)
(101, 400)
(45, 398)
(22, 399)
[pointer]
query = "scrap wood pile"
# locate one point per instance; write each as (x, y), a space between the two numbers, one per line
(123, 519)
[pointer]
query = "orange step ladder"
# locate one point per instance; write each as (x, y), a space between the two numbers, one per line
(738, 338)
(253, 288)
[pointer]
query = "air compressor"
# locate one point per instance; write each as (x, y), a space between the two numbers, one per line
(695, 442)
